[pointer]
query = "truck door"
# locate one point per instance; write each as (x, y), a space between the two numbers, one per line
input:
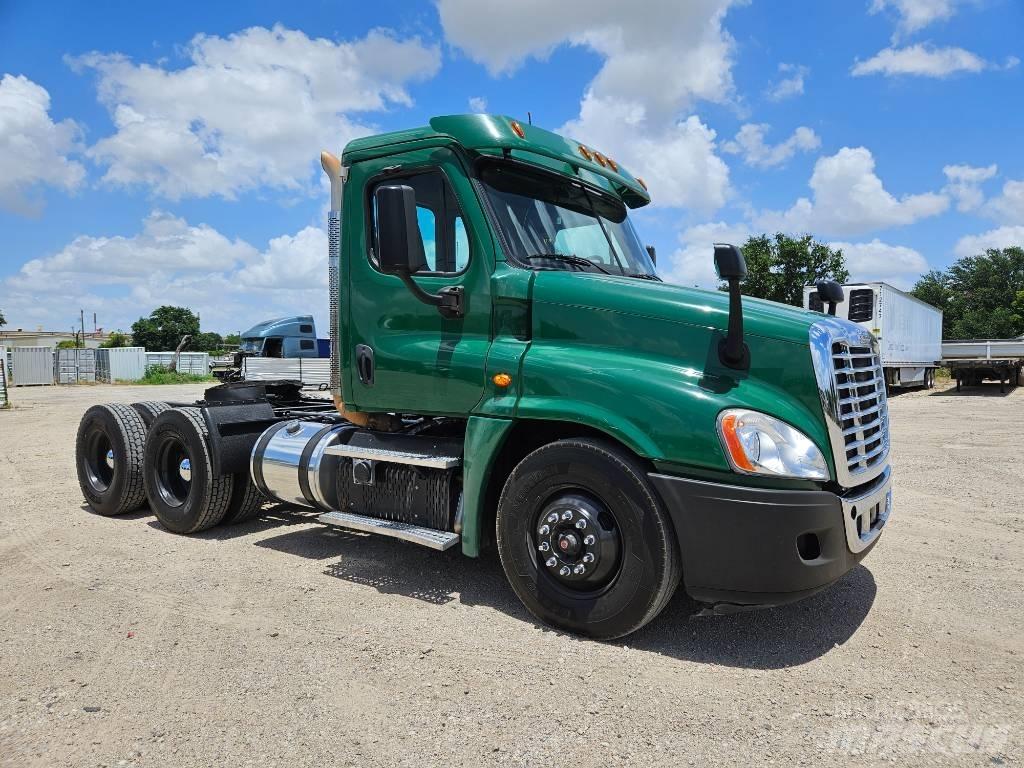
(402, 354)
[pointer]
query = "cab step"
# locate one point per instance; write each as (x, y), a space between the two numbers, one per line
(419, 451)
(428, 537)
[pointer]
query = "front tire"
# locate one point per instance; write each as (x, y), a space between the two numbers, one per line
(584, 541)
(182, 490)
(109, 452)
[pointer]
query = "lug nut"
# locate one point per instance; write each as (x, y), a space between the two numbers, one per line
(564, 570)
(553, 517)
(544, 546)
(544, 530)
(551, 562)
(589, 539)
(567, 515)
(581, 523)
(588, 558)
(578, 569)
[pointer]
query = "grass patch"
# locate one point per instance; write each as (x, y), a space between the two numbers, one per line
(159, 375)
(942, 374)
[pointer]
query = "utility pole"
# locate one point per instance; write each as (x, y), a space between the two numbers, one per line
(81, 319)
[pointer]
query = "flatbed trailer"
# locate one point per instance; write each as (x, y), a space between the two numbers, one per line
(973, 361)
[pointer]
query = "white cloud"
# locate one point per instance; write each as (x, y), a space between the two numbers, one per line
(693, 262)
(1002, 237)
(792, 84)
(643, 121)
(250, 109)
(965, 184)
(33, 148)
(749, 143)
(849, 198)
(477, 104)
(924, 60)
(229, 282)
(917, 14)
(1009, 206)
(875, 260)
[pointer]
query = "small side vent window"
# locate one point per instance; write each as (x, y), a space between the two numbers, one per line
(862, 305)
(814, 303)
(305, 329)
(305, 343)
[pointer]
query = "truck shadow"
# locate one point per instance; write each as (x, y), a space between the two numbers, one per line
(975, 390)
(768, 639)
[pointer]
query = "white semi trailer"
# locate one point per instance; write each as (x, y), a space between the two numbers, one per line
(908, 330)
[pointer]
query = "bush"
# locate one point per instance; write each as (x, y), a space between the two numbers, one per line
(156, 374)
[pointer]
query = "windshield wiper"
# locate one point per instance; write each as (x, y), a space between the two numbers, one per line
(578, 261)
(645, 276)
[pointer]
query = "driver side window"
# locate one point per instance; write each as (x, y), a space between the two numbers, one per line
(441, 225)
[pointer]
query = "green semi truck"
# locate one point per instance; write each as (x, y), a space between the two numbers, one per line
(509, 370)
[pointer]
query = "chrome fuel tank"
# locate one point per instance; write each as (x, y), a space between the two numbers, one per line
(289, 463)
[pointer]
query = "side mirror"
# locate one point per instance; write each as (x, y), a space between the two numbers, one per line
(830, 292)
(652, 253)
(399, 246)
(732, 267)
(729, 262)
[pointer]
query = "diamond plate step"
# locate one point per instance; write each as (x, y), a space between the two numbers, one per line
(428, 537)
(394, 456)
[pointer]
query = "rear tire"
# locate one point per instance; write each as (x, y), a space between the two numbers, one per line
(246, 500)
(149, 410)
(182, 490)
(625, 550)
(109, 453)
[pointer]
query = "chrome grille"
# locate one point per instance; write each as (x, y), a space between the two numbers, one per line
(863, 418)
(852, 388)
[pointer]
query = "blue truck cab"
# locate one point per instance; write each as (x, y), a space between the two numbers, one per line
(285, 337)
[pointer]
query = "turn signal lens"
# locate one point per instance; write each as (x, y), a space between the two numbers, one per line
(518, 129)
(502, 380)
(586, 153)
(759, 444)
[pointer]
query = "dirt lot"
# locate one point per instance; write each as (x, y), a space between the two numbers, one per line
(281, 643)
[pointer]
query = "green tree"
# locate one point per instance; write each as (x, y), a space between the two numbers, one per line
(207, 341)
(779, 267)
(3, 320)
(981, 297)
(232, 340)
(117, 339)
(163, 329)
(67, 344)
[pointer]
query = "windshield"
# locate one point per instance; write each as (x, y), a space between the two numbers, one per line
(251, 345)
(552, 222)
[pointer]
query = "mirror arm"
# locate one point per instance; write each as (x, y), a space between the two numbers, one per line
(450, 300)
(732, 351)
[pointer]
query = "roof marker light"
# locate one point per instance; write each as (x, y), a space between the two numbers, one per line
(600, 159)
(612, 164)
(642, 183)
(518, 129)
(586, 152)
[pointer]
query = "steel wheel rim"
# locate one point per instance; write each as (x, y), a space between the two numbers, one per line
(173, 472)
(577, 542)
(99, 460)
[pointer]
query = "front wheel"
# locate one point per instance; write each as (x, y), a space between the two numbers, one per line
(584, 541)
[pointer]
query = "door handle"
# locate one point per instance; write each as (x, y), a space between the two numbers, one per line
(364, 364)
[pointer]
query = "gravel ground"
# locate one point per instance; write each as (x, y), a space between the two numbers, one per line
(282, 643)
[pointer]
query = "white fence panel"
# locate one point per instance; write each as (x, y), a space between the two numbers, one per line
(120, 364)
(313, 372)
(3, 376)
(32, 365)
(189, 362)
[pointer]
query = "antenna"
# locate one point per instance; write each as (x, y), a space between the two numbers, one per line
(529, 118)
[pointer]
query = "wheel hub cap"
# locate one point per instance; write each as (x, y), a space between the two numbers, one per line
(110, 458)
(577, 541)
(185, 470)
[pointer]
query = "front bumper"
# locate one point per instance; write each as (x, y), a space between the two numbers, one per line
(748, 547)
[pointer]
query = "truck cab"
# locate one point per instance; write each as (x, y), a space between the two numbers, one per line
(282, 337)
(509, 370)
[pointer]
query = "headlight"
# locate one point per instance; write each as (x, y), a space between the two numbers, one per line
(758, 444)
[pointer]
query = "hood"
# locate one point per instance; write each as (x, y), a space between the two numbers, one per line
(672, 303)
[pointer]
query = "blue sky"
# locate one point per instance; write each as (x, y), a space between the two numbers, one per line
(168, 153)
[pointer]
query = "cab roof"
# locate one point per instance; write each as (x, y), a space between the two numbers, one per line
(500, 135)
